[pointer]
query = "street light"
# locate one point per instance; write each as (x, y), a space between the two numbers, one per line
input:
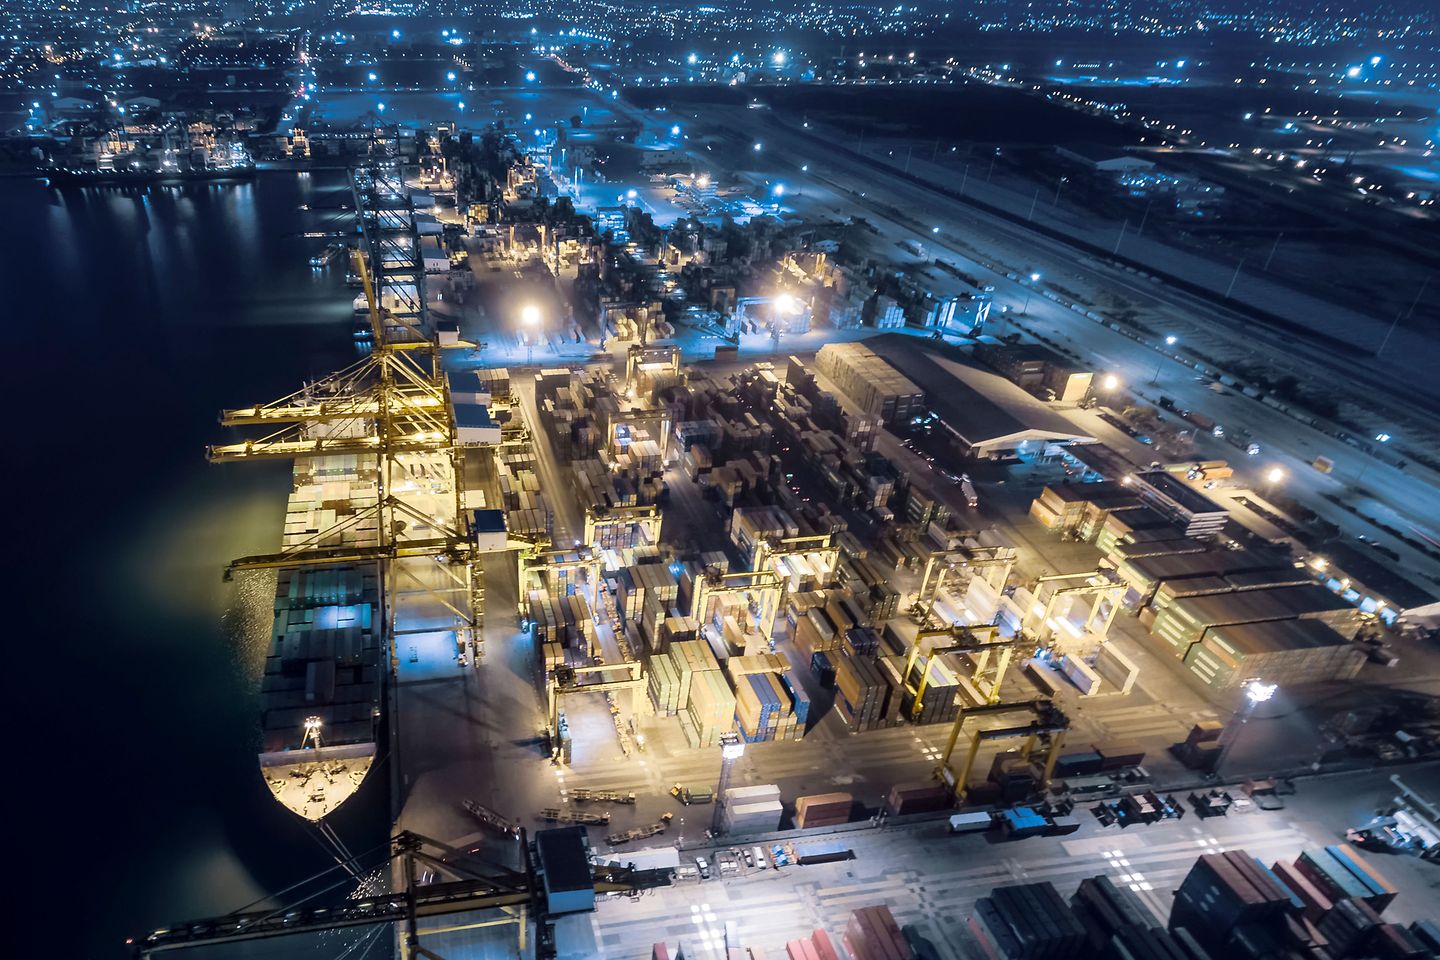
(1110, 382)
(1025, 310)
(530, 325)
(1257, 692)
(1169, 342)
(1275, 476)
(732, 748)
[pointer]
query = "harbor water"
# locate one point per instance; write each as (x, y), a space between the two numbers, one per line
(133, 315)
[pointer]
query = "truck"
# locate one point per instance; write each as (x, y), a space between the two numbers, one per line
(641, 833)
(1243, 440)
(974, 822)
(692, 795)
(1323, 464)
(1204, 423)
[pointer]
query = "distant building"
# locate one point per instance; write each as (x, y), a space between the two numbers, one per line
(1103, 159)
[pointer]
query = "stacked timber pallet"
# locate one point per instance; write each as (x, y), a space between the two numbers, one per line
(861, 692)
(873, 934)
(823, 810)
(1027, 921)
(876, 388)
(750, 810)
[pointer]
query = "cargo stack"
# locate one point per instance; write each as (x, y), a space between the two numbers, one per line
(1106, 910)
(1118, 754)
(823, 810)
(1201, 749)
(1028, 921)
(1225, 890)
(664, 686)
(691, 657)
(750, 810)
(876, 387)
(1340, 872)
(873, 934)
(710, 709)
(799, 703)
(938, 701)
(759, 704)
(860, 692)
(927, 797)
(814, 633)
(817, 946)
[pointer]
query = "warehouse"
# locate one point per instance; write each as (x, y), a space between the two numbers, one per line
(1185, 621)
(1145, 572)
(994, 419)
(1287, 652)
(1197, 513)
(1375, 588)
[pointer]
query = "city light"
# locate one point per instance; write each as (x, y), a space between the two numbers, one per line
(1275, 475)
(1171, 340)
(1110, 382)
(757, 147)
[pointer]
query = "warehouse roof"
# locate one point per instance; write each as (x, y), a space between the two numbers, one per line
(1377, 577)
(1189, 499)
(1254, 606)
(1171, 566)
(1253, 638)
(1106, 494)
(984, 408)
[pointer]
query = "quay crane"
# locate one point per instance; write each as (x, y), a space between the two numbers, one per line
(394, 406)
(440, 880)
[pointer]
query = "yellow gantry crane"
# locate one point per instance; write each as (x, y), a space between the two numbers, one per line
(392, 405)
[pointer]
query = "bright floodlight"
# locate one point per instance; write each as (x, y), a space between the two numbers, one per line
(1034, 278)
(785, 303)
(1258, 691)
(1110, 382)
(934, 229)
(1170, 341)
(1275, 475)
(312, 724)
(757, 147)
(779, 189)
(374, 76)
(733, 751)
(530, 315)
(675, 130)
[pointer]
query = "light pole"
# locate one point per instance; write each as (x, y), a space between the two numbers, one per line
(732, 748)
(1256, 692)
(1025, 311)
(529, 328)
(1169, 342)
(782, 306)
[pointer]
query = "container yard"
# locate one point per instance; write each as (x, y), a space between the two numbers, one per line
(770, 609)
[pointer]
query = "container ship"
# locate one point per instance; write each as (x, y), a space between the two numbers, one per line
(322, 686)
